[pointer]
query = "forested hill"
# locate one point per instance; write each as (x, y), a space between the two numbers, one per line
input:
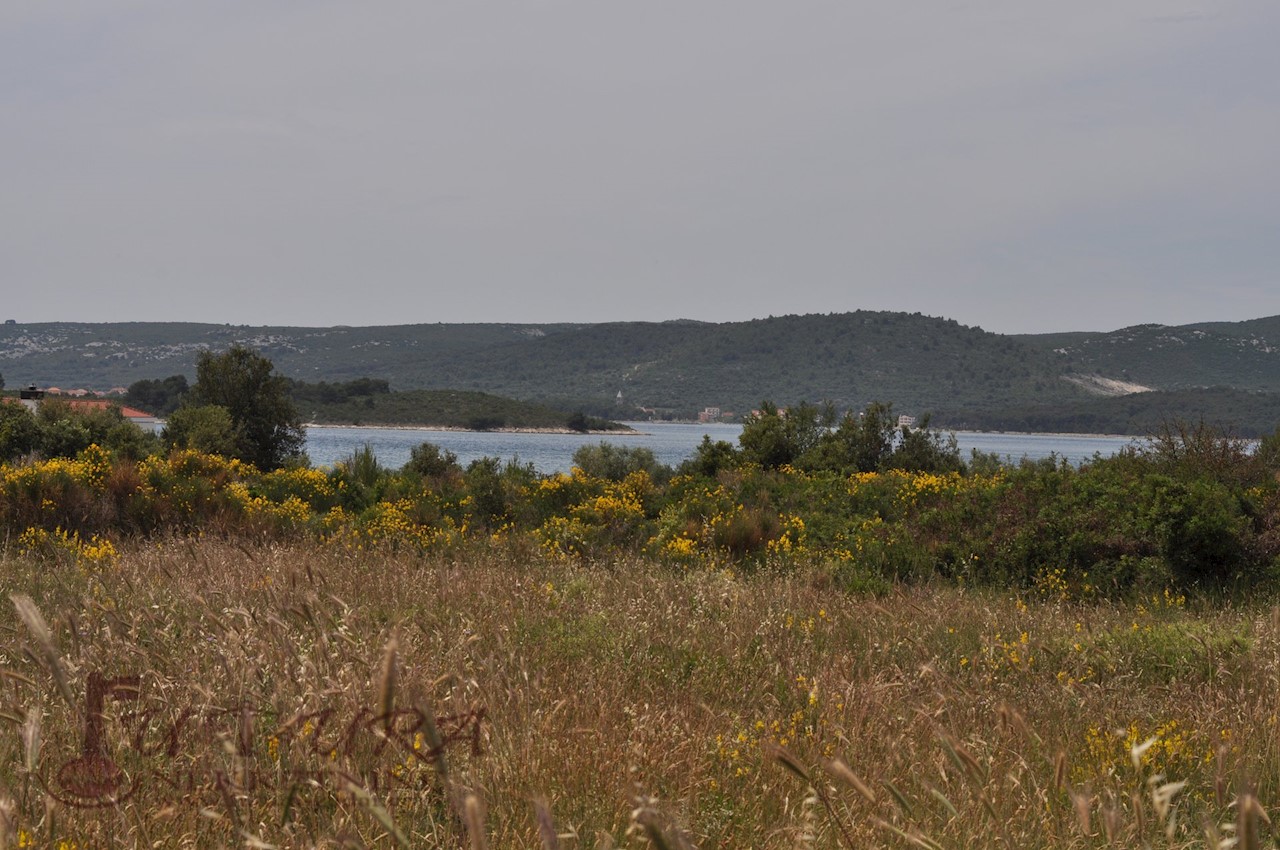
(917, 362)
(1243, 355)
(682, 366)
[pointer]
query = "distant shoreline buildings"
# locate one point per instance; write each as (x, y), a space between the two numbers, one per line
(82, 400)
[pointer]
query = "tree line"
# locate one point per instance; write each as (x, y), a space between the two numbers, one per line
(238, 407)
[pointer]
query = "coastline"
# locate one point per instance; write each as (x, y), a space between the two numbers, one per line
(458, 429)
(1057, 434)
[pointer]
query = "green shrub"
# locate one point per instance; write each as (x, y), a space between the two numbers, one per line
(19, 433)
(710, 458)
(205, 428)
(1200, 529)
(614, 462)
(428, 460)
(363, 479)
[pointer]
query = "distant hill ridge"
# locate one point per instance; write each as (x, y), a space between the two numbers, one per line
(1243, 355)
(918, 362)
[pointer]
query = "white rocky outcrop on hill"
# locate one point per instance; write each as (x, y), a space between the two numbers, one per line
(1108, 387)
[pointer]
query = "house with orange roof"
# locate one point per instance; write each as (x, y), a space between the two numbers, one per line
(130, 413)
(30, 397)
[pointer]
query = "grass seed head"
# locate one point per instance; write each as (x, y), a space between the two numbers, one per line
(475, 822)
(842, 771)
(387, 683)
(35, 623)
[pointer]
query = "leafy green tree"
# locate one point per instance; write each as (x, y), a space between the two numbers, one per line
(430, 461)
(614, 462)
(268, 432)
(710, 457)
(19, 434)
(1200, 527)
(774, 438)
(764, 438)
(869, 442)
(860, 443)
(159, 397)
(925, 450)
(65, 432)
(207, 428)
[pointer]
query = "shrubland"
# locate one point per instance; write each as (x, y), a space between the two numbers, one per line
(831, 635)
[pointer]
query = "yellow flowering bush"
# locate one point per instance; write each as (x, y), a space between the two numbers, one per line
(94, 552)
(1169, 749)
(611, 515)
(313, 486)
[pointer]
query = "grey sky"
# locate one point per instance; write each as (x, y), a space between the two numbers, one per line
(1023, 166)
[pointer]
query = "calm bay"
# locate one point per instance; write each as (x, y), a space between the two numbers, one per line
(671, 443)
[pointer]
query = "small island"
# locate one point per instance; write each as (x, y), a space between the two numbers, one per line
(371, 402)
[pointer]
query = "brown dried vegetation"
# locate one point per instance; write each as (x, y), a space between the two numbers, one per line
(494, 696)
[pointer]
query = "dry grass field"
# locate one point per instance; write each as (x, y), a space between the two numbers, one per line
(203, 693)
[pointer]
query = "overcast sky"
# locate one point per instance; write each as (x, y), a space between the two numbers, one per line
(1023, 166)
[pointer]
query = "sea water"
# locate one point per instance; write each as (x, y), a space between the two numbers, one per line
(671, 443)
